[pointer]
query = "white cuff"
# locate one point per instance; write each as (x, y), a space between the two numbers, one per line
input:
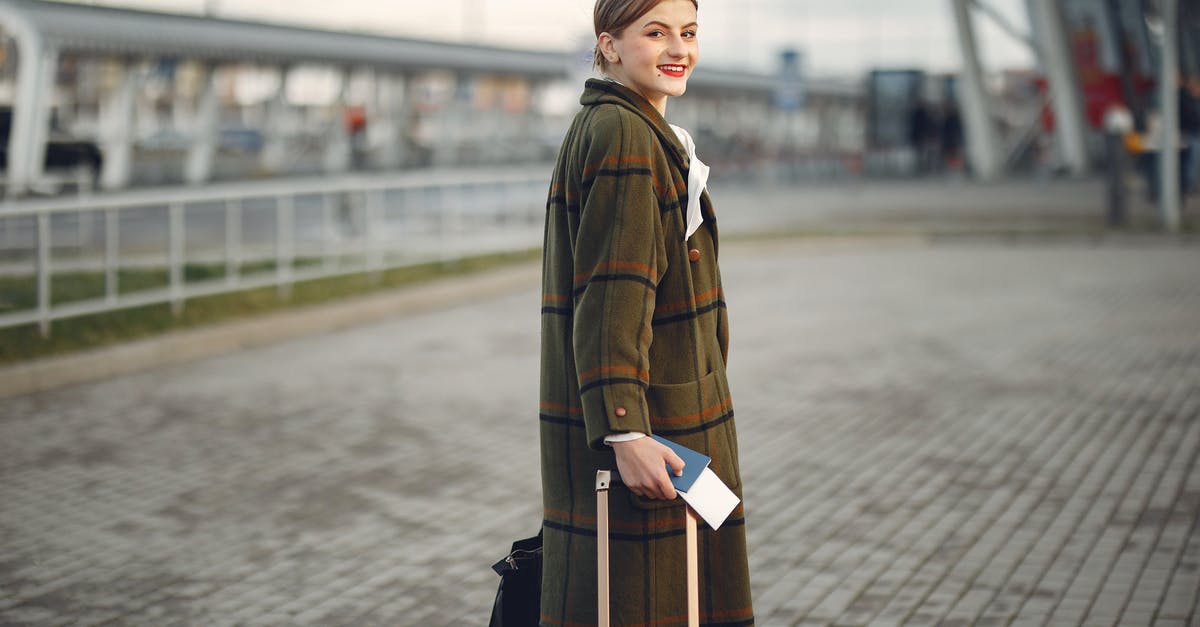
(628, 436)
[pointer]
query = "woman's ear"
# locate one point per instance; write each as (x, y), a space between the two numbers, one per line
(608, 47)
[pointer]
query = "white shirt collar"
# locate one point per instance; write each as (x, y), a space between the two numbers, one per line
(697, 181)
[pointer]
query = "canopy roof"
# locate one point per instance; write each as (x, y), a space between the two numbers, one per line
(115, 31)
(83, 28)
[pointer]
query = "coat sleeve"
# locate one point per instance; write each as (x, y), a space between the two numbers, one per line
(619, 257)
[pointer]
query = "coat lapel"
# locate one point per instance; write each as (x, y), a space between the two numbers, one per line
(598, 91)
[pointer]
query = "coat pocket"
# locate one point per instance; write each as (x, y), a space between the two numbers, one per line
(698, 415)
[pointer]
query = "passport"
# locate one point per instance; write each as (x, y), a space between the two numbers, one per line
(694, 463)
(700, 487)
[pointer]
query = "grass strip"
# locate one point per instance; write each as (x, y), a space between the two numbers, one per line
(22, 343)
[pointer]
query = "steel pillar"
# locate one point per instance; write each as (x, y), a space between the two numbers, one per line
(31, 116)
(116, 119)
(1054, 51)
(1168, 84)
(337, 139)
(274, 152)
(386, 119)
(983, 146)
(204, 131)
(447, 151)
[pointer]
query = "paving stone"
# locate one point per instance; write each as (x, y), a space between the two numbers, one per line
(967, 432)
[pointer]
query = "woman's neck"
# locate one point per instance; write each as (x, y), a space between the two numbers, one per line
(660, 106)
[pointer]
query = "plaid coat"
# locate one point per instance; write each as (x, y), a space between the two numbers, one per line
(634, 338)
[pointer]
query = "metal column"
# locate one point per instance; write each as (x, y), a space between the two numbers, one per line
(337, 139)
(386, 119)
(1053, 49)
(452, 121)
(116, 115)
(31, 113)
(274, 152)
(1168, 83)
(982, 142)
(204, 131)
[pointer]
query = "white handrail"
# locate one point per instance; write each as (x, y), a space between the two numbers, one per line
(300, 186)
(443, 214)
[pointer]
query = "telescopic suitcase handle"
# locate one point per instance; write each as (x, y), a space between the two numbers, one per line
(604, 480)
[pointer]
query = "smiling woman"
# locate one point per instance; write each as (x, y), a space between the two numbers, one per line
(654, 52)
(635, 338)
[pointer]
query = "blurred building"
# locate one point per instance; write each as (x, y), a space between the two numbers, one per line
(174, 99)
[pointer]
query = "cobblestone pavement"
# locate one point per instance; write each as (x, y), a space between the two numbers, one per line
(972, 432)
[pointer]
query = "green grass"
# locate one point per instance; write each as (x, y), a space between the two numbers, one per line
(85, 332)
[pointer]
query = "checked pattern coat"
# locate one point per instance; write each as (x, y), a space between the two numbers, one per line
(634, 338)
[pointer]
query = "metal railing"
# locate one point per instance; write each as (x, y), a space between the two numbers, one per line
(286, 231)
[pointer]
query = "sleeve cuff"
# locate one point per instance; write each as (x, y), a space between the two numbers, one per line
(627, 436)
(617, 408)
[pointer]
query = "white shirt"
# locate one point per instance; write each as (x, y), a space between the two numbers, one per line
(697, 181)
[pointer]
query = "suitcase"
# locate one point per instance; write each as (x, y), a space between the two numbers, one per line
(604, 480)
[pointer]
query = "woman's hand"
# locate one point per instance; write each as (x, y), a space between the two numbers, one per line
(643, 463)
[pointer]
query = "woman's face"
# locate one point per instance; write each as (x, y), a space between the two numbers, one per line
(657, 53)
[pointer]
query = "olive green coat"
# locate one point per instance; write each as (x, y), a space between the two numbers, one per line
(634, 338)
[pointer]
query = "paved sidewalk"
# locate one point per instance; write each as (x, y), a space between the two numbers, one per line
(931, 207)
(966, 433)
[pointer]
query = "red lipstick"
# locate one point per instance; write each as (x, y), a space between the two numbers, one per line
(674, 71)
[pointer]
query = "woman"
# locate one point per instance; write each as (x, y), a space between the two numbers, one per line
(634, 338)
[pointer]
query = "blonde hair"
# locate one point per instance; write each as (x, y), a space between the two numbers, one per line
(613, 17)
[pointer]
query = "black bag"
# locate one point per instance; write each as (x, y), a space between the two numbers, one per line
(519, 599)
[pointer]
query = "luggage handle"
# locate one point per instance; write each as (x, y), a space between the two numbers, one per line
(604, 480)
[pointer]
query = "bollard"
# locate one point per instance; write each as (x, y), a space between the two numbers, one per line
(1117, 123)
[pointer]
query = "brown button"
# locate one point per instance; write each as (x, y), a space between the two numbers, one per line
(620, 412)
(694, 255)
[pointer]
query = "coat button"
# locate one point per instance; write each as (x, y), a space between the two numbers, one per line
(620, 412)
(694, 255)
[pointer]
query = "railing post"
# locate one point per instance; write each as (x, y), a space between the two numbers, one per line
(112, 248)
(449, 199)
(435, 220)
(233, 241)
(43, 272)
(400, 224)
(372, 240)
(285, 234)
(84, 230)
(504, 202)
(175, 243)
(329, 255)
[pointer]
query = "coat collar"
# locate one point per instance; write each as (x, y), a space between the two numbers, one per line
(597, 91)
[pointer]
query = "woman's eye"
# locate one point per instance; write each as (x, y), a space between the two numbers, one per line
(690, 34)
(655, 33)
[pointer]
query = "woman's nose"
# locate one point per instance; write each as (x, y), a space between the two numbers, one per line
(676, 47)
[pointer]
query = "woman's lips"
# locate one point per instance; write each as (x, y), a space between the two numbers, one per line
(676, 71)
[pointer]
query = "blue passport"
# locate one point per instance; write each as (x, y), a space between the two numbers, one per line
(694, 463)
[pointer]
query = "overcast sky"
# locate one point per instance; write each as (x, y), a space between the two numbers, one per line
(842, 37)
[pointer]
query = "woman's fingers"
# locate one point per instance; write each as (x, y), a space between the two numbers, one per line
(658, 486)
(643, 467)
(675, 462)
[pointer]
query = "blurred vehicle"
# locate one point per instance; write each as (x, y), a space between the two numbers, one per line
(240, 139)
(63, 152)
(165, 139)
